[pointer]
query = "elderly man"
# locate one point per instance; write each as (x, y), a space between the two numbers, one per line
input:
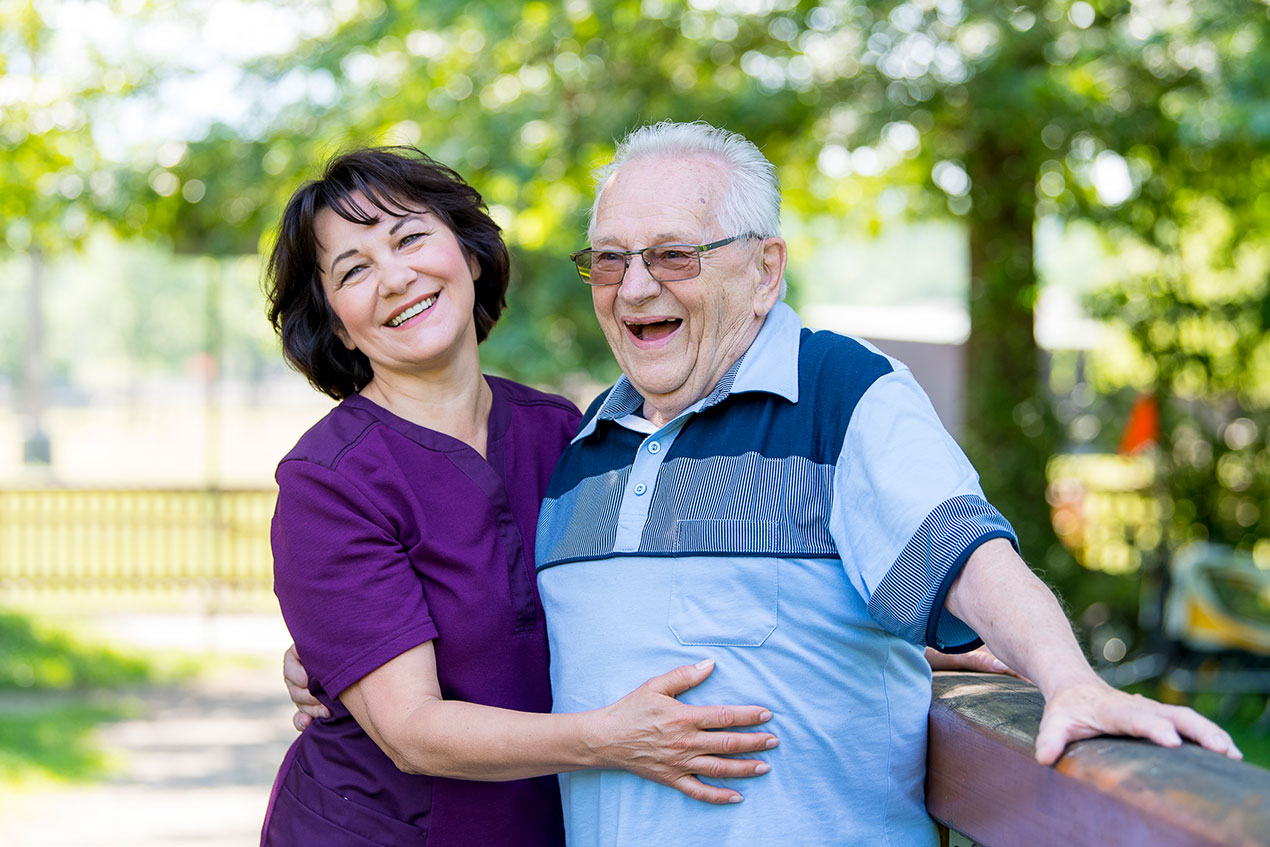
(786, 503)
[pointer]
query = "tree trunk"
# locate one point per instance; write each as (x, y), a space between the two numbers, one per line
(1009, 434)
(36, 449)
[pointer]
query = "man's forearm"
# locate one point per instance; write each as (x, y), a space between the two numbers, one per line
(1019, 618)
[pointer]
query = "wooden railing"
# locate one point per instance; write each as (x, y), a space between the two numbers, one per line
(72, 540)
(983, 782)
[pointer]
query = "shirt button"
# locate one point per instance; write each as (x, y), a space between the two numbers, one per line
(654, 447)
(640, 488)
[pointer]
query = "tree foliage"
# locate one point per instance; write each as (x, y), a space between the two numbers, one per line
(1143, 117)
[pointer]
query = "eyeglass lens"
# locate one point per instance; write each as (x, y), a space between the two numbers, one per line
(665, 264)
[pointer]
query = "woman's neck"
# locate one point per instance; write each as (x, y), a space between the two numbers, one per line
(455, 401)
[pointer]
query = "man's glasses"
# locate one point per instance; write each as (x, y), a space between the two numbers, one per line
(665, 263)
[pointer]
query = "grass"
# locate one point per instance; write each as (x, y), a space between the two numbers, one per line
(55, 691)
(54, 743)
(37, 657)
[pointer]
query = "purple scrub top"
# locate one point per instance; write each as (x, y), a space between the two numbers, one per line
(388, 535)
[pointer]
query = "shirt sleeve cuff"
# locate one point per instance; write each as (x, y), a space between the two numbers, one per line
(909, 601)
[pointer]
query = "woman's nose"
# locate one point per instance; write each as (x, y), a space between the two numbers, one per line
(397, 276)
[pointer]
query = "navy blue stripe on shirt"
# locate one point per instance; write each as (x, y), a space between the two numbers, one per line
(903, 601)
(741, 504)
(746, 460)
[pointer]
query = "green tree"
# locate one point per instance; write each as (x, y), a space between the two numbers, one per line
(1126, 114)
(51, 185)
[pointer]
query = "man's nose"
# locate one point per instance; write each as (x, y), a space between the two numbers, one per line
(638, 284)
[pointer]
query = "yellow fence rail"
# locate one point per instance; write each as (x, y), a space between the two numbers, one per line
(72, 539)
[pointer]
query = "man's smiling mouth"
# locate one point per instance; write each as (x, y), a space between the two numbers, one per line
(416, 309)
(655, 330)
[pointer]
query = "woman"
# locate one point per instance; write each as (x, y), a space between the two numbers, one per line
(404, 534)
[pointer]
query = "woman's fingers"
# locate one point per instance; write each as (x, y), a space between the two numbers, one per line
(677, 681)
(723, 717)
(731, 743)
(698, 790)
(653, 735)
(297, 680)
(713, 767)
(292, 670)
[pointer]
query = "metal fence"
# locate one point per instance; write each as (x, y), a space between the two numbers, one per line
(68, 540)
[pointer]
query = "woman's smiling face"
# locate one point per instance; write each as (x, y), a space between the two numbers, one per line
(401, 287)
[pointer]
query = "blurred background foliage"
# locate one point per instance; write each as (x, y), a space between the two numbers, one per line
(1144, 122)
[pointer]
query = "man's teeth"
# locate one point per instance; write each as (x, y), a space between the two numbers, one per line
(413, 310)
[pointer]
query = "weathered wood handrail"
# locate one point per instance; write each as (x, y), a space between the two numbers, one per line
(982, 780)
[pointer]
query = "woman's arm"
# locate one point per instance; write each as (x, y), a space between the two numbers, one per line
(648, 732)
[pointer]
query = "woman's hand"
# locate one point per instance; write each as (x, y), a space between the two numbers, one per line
(307, 706)
(980, 660)
(651, 734)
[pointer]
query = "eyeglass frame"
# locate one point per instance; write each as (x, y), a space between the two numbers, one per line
(627, 254)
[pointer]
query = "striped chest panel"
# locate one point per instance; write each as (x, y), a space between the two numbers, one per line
(751, 474)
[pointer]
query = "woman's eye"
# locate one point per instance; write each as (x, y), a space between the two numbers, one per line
(351, 272)
(411, 238)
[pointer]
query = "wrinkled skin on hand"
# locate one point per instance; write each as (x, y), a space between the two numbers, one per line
(1095, 708)
(651, 734)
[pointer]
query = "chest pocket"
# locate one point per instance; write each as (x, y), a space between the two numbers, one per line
(722, 600)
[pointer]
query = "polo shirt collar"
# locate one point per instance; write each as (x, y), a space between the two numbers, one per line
(770, 364)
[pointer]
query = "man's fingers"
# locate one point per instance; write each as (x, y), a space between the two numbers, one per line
(1162, 732)
(1052, 738)
(1191, 724)
(1119, 714)
(301, 720)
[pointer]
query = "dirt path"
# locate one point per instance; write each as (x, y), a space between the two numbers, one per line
(195, 766)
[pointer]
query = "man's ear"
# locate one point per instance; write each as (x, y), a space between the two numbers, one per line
(771, 275)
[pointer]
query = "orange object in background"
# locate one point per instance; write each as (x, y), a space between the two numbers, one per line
(1143, 427)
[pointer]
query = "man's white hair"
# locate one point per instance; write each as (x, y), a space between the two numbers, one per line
(752, 200)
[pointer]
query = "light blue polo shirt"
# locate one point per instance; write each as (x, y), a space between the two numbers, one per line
(800, 525)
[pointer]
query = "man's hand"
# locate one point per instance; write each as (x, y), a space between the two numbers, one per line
(1095, 708)
(1019, 617)
(651, 734)
(307, 706)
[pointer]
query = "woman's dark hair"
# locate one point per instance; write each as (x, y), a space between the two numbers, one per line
(397, 181)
